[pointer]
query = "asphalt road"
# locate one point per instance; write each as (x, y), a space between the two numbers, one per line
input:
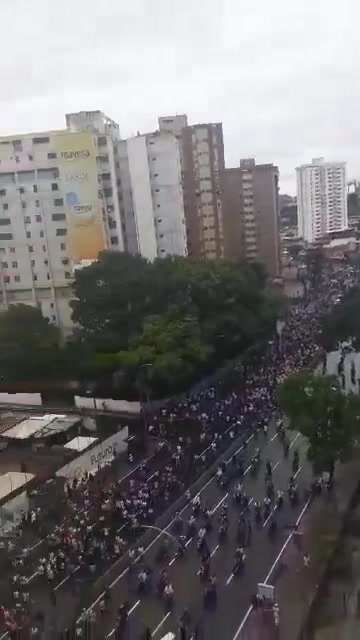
(234, 594)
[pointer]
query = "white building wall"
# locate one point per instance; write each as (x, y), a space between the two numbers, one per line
(321, 196)
(165, 174)
(142, 196)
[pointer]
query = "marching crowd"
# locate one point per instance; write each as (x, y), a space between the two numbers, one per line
(101, 518)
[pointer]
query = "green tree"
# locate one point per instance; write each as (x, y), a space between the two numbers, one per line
(342, 322)
(30, 346)
(112, 296)
(173, 348)
(328, 418)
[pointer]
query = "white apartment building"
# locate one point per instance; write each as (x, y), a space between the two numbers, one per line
(67, 195)
(59, 207)
(321, 198)
(152, 197)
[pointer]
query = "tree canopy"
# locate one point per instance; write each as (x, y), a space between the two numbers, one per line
(29, 344)
(328, 418)
(342, 322)
(183, 316)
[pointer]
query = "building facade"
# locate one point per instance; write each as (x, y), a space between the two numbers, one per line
(62, 202)
(152, 198)
(202, 170)
(322, 198)
(251, 214)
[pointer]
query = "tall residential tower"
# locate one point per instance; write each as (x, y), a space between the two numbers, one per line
(321, 198)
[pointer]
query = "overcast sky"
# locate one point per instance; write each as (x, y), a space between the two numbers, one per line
(282, 76)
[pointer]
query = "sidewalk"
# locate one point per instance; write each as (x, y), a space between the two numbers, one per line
(320, 528)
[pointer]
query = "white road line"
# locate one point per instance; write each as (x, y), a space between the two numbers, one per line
(219, 504)
(304, 509)
(130, 612)
(160, 624)
(229, 579)
(66, 578)
(124, 572)
(189, 542)
(294, 440)
(244, 620)
(274, 437)
(214, 551)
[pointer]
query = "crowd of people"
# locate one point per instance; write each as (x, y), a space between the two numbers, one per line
(101, 518)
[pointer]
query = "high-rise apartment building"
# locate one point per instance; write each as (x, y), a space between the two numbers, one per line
(152, 197)
(202, 168)
(251, 214)
(321, 198)
(62, 202)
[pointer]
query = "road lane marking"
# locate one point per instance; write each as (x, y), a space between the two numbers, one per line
(294, 440)
(66, 578)
(304, 509)
(130, 612)
(214, 551)
(274, 437)
(247, 614)
(125, 571)
(219, 504)
(160, 624)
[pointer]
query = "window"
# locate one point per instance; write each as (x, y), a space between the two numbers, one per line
(23, 204)
(101, 141)
(38, 218)
(108, 192)
(114, 240)
(12, 249)
(7, 279)
(28, 234)
(14, 264)
(37, 203)
(156, 175)
(41, 234)
(52, 155)
(54, 186)
(33, 263)
(4, 265)
(161, 235)
(41, 140)
(157, 190)
(31, 249)
(46, 262)
(17, 159)
(65, 261)
(58, 202)
(2, 192)
(17, 278)
(21, 189)
(4, 221)
(27, 219)
(106, 175)
(51, 305)
(35, 277)
(153, 159)
(5, 206)
(61, 232)
(67, 275)
(35, 188)
(63, 246)
(44, 248)
(58, 216)
(30, 157)
(48, 276)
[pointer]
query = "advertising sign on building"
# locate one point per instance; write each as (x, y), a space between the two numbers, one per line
(96, 457)
(76, 153)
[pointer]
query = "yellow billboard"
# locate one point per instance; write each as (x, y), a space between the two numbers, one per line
(76, 153)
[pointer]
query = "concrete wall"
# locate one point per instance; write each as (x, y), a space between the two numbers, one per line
(21, 398)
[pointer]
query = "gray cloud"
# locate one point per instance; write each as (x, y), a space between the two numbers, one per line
(282, 77)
